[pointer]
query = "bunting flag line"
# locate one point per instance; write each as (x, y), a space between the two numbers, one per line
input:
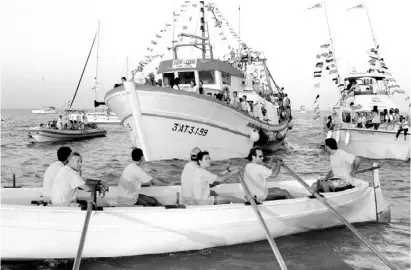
(318, 5)
(325, 46)
(357, 6)
(316, 107)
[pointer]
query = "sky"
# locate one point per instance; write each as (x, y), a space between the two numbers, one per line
(51, 39)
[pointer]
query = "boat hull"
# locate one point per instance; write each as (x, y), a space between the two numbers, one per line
(53, 135)
(153, 230)
(40, 111)
(373, 144)
(168, 123)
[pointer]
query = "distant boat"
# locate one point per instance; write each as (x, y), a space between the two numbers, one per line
(44, 109)
(302, 109)
(48, 134)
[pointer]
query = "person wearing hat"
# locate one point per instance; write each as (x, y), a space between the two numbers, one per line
(187, 176)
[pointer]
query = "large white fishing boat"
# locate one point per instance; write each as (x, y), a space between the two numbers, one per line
(54, 232)
(167, 123)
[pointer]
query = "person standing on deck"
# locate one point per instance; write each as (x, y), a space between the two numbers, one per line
(256, 174)
(63, 154)
(130, 183)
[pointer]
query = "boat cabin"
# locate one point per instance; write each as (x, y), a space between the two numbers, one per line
(368, 83)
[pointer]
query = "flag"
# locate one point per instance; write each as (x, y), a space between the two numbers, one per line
(222, 33)
(190, 19)
(374, 50)
(325, 46)
(319, 65)
(333, 71)
(153, 42)
(329, 60)
(218, 24)
(357, 6)
(372, 62)
(195, 5)
(327, 68)
(185, 27)
(167, 24)
(158, 36)
(318, 5)
(317, 72)
(317, 85)
(316, 98)
(317, 75)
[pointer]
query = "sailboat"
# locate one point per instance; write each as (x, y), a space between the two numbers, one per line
(44, 109)
(167, 123)
(73, 126)
(104, 116)
(360, 94)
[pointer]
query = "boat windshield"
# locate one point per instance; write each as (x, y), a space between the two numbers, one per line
(207, 77)
(186, 77)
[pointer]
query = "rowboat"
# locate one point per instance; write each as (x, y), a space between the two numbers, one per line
(44, 134)
(114, 230)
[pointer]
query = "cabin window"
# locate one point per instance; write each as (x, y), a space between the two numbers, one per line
(167, 78)
(186, 77)
(226, 78)
(207, 77)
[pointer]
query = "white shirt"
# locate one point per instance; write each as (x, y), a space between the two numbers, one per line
(139, 77)
(65, 186)
(201, 187)
(193, 89)
(255, 177)
(245, 106)
(130, 184)
(49, 176)
(187, 179)
(59, 123)
(341, 162)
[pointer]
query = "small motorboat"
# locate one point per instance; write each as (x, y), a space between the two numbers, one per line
(31, 230)
(48, 134)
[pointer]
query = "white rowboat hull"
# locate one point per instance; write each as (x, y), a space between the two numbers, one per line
(38, 232)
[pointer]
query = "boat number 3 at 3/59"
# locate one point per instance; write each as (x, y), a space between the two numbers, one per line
(189, 129)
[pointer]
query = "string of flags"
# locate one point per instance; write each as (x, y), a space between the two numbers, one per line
(326, 64)
(316, 107)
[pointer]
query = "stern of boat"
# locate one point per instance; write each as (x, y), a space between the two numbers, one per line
(382, 209)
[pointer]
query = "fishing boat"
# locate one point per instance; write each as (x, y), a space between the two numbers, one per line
(360, 93)
(302, 109)
(365, 140)
(172, 228)
(167, 123)
(44, 109)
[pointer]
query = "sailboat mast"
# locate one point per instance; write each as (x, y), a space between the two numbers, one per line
(369, 20)
(331, 40)
(239, 34)
(202, 28)
(96, 79)
(126, 66)
(42, 91)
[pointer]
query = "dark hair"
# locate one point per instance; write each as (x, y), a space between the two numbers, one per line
(176, 81)
(201, 155)
(332, 143)
(253, 152)
(201, 81)
(352, 103)
(235, 92)
(137, 154)
(123, 79)
(63, 153)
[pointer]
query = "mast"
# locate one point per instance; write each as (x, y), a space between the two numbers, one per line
(372, 32)
(202, 28)
(331, 40)
(239, 34)
(126, 66)
(42, 91)
(96, 79)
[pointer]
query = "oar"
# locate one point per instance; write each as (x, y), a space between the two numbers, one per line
(77, 261)
(262, 222)
(341, 218)
(368, 169)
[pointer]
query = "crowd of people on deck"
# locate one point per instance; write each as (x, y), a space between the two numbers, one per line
(389, 120)
(63, 179)
(64, 123)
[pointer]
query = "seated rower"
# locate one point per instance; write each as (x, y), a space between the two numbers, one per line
(130, 183)
(256, 174)
(343, 168)
(67, 182)
(187, 176)
(203, 180)
(63, 154)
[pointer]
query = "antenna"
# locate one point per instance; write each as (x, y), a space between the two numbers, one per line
(239, 33)
(96, 79)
